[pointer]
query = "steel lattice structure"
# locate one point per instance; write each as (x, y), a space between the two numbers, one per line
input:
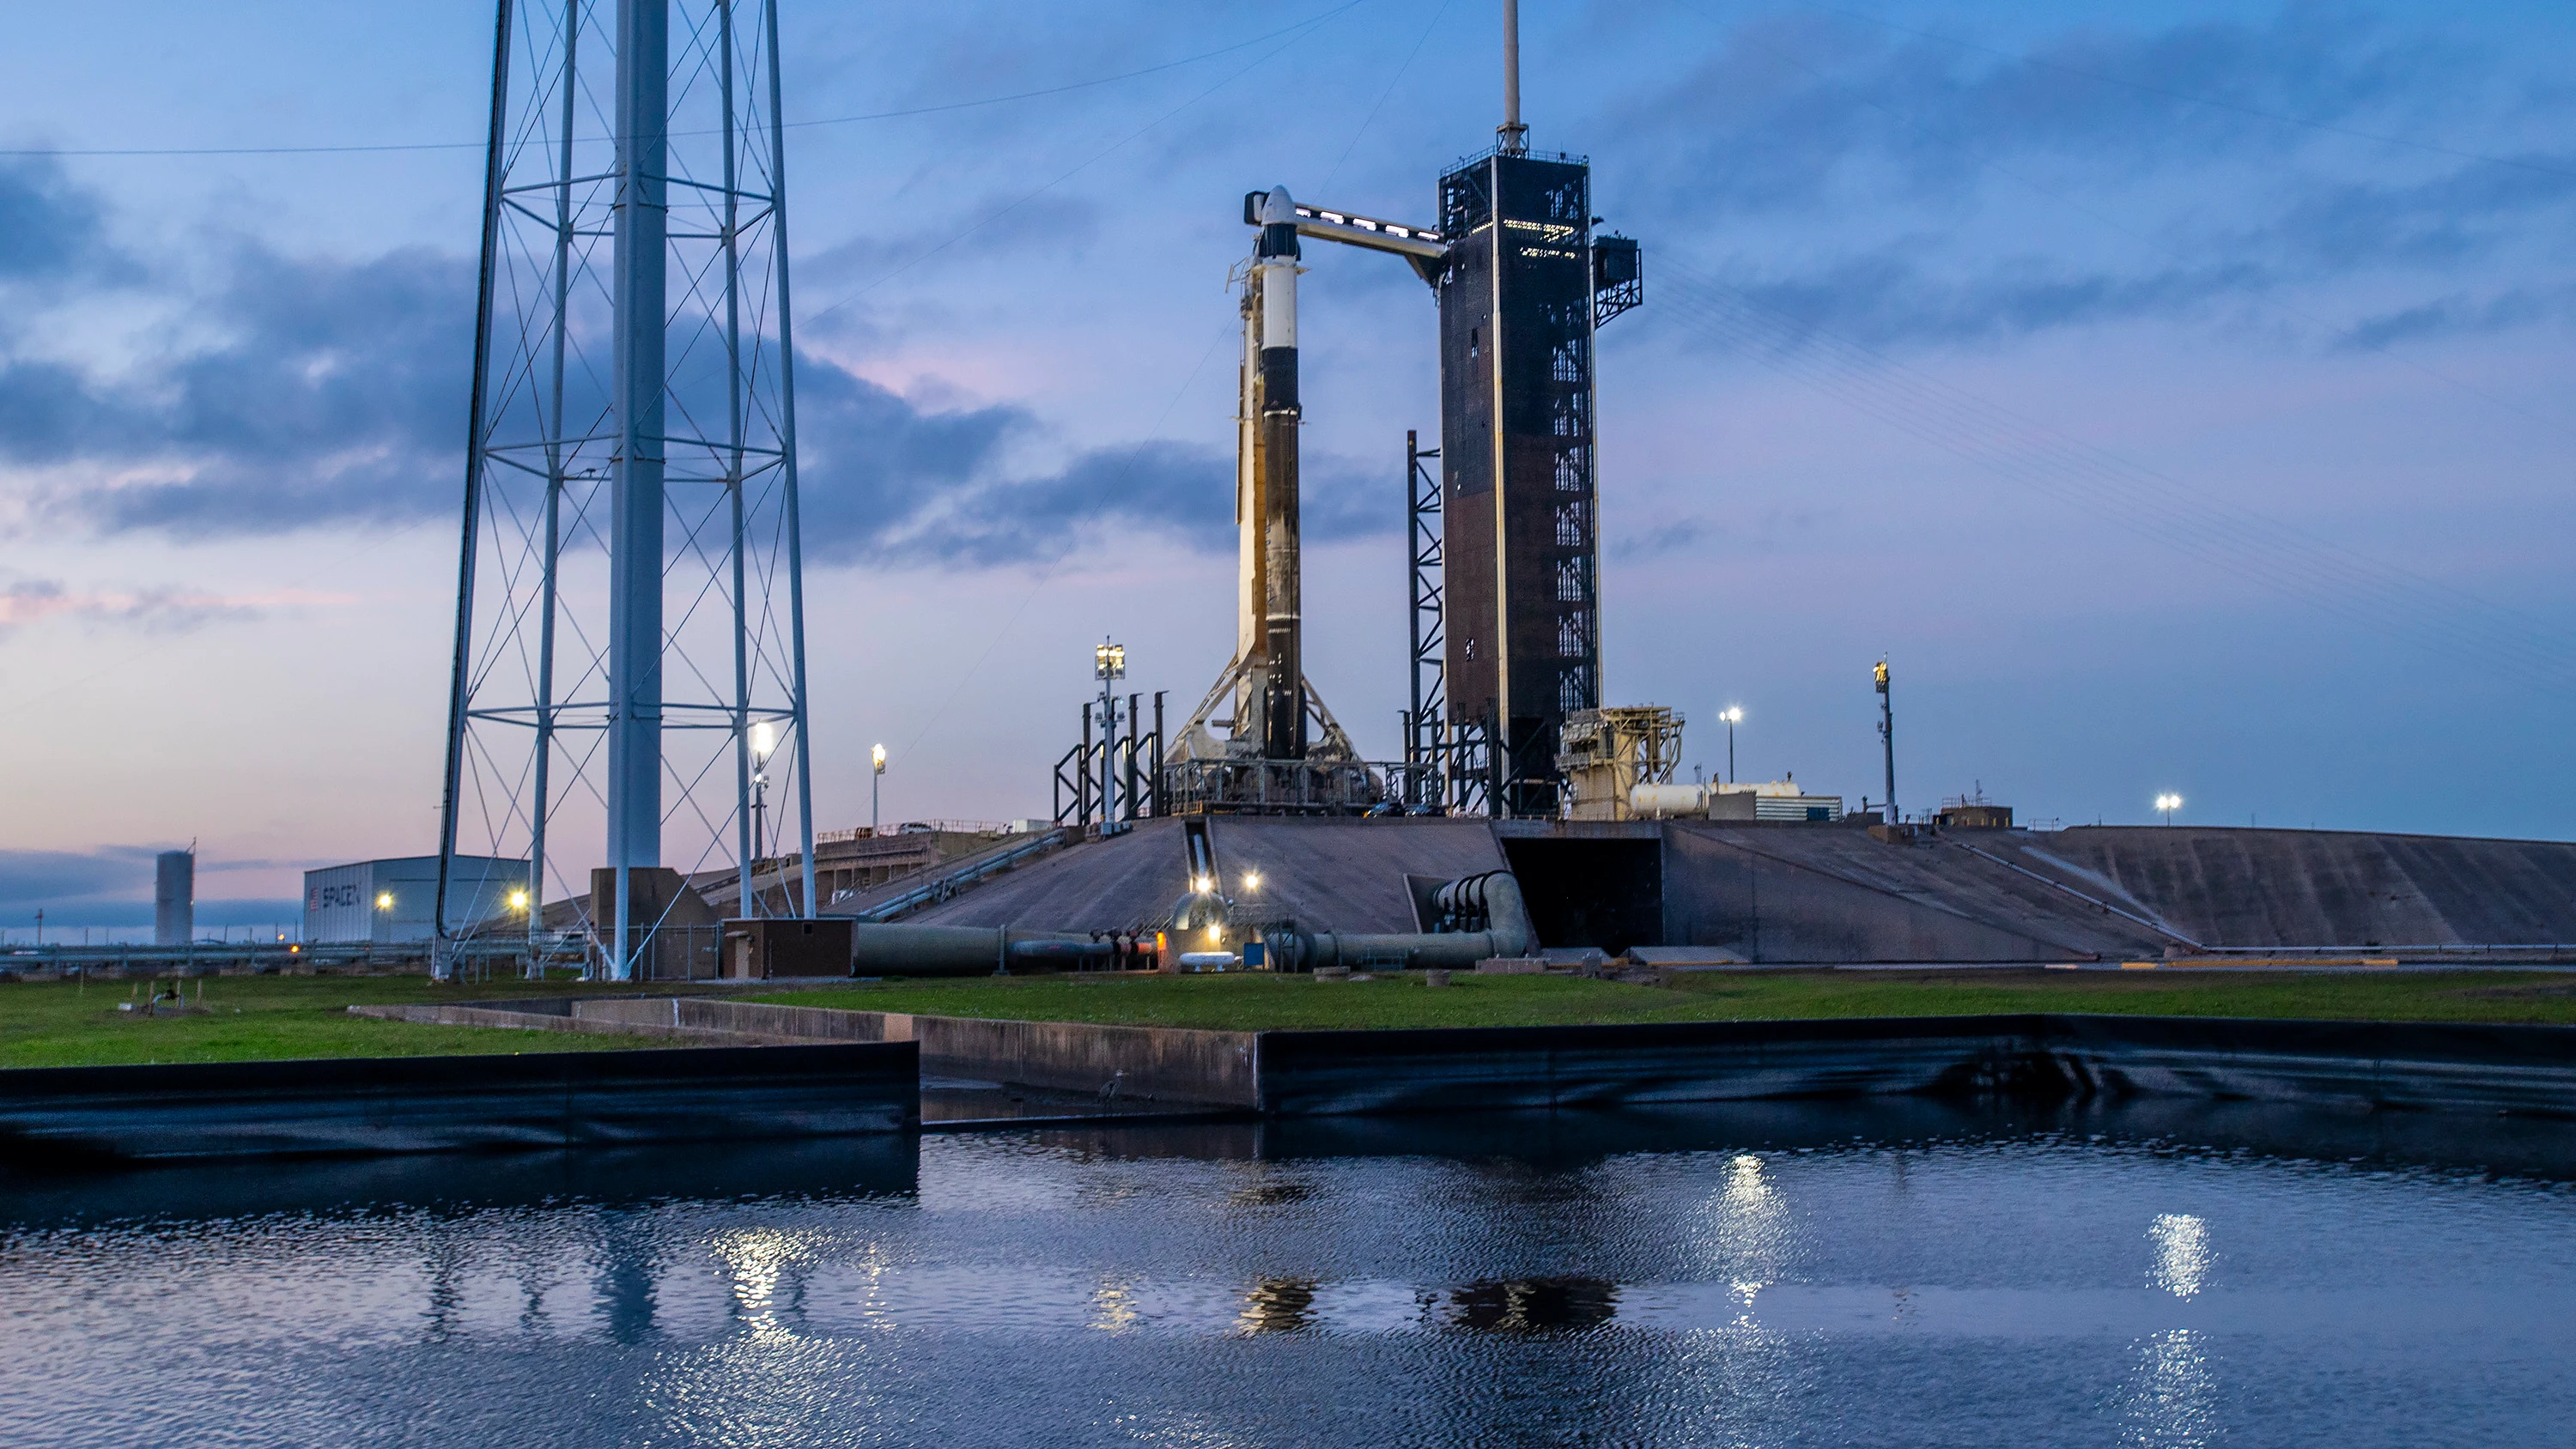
(630, 611)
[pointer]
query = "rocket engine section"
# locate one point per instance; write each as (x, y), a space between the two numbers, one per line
(1271, 643)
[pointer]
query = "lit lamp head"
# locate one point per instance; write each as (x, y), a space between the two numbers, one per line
(1733, 714)
(764, 739)
(1251, 881)
(2168, 803)
(876, 759)
(384, 900)
(1109, 661)
(518, 900)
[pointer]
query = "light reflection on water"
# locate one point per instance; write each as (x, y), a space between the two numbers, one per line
(1743, 1276)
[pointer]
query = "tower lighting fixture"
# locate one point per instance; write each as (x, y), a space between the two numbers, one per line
(2168, 803)
(876, 787)
(384, 900)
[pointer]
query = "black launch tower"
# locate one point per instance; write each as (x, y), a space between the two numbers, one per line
(1527, 286)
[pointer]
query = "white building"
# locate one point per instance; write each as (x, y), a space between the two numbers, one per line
(391, 900)
(1781, 799)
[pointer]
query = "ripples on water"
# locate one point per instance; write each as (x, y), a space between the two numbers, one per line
(1752, 1275)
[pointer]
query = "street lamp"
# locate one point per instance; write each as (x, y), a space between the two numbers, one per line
(876, 783)
(1731, 714)
(1109, 665)
(764, 738)
(2168, 804)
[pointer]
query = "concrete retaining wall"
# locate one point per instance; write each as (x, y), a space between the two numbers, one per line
(436, 1104)
(2523, 1070)
(1213, 1068)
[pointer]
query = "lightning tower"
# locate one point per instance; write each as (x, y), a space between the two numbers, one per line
(629, 653)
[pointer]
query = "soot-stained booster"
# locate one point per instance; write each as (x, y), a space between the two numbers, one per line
(1267, 493)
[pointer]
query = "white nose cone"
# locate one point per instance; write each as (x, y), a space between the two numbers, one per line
(1277, 208)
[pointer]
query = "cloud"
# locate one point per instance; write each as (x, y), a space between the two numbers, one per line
(1783, 108)
(49, 228)
(1898, 188)
(2461, 313)
(1892, 296)
(29, 601)
(35, 877)
(335, 396)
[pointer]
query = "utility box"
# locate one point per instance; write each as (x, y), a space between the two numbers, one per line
(770, 947)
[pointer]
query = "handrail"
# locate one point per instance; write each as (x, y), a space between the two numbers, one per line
(943, 886)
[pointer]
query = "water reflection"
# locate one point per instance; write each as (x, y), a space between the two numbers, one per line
(1537, 1305)
(2182, 1253)
(1279, 1305)
(2173, 1394)
(1113, 1307)
(1651, 1279)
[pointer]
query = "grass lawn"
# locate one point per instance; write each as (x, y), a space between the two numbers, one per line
(1251, 1002)
(260, 1018)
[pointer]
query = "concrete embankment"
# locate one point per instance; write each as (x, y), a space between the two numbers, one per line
(435, 1104)
(2523, 1070)
(829, 1072)
(1165, 1064)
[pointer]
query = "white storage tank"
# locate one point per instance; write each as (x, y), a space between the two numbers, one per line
(174, 897)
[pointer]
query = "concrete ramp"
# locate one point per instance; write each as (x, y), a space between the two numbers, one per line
(1788, 895)
(2305, 888)
(1330, 874)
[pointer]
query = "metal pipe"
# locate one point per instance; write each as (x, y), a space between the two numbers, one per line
(550, 582)
(744, 846)
(787, 458)
(1507, 933)
(639, 379)
(902, 950)
(1515, 136)
(474, 421)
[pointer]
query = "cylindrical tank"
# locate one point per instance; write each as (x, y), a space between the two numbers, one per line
(174, 898)
(1659, 801)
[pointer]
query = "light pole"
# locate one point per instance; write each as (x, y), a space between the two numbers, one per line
(1109, 665)
(2168, 804)
(1733, 714)
(1887, 735)
(764, 738)
(876, 786)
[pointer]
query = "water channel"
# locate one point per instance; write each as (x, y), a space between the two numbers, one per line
(1741, 1275)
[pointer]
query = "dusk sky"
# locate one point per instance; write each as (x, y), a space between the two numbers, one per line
(2177, 394)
